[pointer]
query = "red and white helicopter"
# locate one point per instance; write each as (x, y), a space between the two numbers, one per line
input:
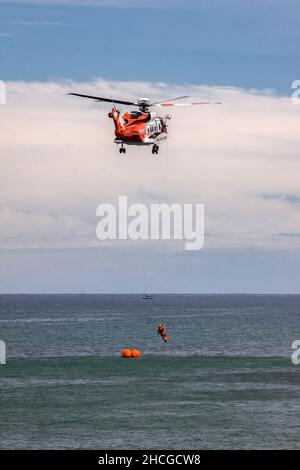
(143, 127)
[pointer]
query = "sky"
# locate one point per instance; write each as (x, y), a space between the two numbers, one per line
(250, 44)
(240, 159)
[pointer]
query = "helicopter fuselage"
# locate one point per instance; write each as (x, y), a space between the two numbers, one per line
(139, 128)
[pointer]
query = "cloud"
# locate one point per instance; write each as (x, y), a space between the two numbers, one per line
(58, 163)
(145, 3)
(40, 23)
(97, 3)
(296, 235)
(293, 199)
(6, 35)
(34, 228)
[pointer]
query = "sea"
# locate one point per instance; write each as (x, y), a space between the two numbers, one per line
(225, 379)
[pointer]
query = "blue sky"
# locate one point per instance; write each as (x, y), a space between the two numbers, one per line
(249, 44)
(241, 159)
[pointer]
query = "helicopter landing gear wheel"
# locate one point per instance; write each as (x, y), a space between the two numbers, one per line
(155, 149)
(122, 149)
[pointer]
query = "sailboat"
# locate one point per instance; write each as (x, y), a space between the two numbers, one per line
(147, 296)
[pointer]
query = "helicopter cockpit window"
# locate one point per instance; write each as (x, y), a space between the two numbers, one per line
(135, 114)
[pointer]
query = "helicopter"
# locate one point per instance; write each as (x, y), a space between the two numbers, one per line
(142, 126)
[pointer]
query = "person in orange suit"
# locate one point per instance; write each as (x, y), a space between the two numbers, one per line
(161, 329)
(165, 337)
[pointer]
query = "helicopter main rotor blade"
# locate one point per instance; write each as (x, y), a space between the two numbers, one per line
(106, 100)
(167, 101)
(186, 104)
